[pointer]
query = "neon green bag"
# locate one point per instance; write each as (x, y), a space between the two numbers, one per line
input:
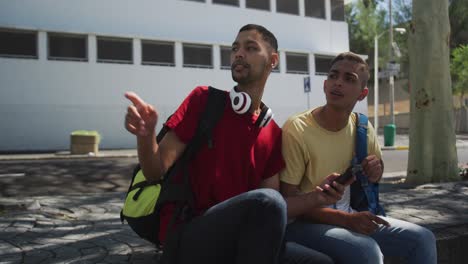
(145, 199)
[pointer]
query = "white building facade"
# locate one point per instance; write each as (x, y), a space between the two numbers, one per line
(66, 64)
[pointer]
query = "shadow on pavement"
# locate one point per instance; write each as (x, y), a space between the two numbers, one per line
(65, 176)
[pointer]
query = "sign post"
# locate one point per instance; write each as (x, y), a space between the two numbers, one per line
(307, 89)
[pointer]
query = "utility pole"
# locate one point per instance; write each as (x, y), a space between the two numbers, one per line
(376, 83)
(390, 129)
(391, 78)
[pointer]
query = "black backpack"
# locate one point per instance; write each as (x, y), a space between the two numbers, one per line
(145, 199)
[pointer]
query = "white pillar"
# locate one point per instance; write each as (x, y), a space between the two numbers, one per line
(301, 8)
(42, 46)
(376, 84)
(179, 59)
(92, 49)
(137, 51)
(216, 57)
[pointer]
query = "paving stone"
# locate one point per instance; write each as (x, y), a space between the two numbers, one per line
(11, 258)
(87, 229)
(6, 248)
(96, 254)
(38, 256)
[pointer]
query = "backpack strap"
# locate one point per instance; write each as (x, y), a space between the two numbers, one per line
(209, 117)
(361, 137)
(182, 193)
(364, 194)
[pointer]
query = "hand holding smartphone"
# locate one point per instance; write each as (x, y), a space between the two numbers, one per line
(344, 177)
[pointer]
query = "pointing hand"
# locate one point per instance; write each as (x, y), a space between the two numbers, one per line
(141, 117)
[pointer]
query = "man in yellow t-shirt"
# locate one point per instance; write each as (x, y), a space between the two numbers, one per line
(321, 142)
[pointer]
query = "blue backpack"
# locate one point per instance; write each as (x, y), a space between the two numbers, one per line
(364, 194)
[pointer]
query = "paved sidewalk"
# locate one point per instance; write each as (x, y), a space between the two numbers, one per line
(86, 228)
(401, 143)
(79, 228)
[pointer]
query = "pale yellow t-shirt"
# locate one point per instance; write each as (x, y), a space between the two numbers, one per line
(311, 152)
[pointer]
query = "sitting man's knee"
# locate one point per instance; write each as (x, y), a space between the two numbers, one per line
(369, 251)
(269, 198)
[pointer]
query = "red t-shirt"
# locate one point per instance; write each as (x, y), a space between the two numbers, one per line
(242, 155)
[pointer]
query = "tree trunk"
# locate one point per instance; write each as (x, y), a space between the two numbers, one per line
(432, 155)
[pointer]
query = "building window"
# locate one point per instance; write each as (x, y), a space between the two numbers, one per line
(337, 10)
(225, 58)
(114, 50)
(227, 2)
(287, 6)
(67, 47)
(258, 4)
(297, 63)
(315, 8)
(197, 56)
(157, 53)
(18, 44)
(322, 64)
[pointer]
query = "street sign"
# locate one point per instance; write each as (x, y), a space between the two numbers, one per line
(307, 84)
(386, 74)
(393, 66)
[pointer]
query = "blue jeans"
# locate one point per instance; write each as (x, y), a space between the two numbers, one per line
(248, 228)
(412, 242)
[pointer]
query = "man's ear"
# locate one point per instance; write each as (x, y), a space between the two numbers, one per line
(363, 94)
(274, 60)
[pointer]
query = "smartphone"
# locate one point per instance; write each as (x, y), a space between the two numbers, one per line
(344, 177)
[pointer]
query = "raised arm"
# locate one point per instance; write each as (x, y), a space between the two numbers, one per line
(155, 159)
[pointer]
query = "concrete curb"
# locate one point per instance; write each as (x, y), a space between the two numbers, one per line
(67, 155)
(395, 148)
(403, 147)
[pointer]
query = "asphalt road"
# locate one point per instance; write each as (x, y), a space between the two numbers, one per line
(397, 160)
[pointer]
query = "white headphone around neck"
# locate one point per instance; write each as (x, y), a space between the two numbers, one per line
(241, 103)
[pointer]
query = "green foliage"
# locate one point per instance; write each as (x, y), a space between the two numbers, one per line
(458, 15)
(369, 18)
(366, 21)
(459, 69)
(402, 12)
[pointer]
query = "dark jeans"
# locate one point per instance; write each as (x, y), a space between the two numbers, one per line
(247, 228)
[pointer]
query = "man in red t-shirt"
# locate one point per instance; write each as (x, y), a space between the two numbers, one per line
(240, 216)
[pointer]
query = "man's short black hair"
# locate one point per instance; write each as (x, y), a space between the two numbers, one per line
(350, 56)
(266, 34)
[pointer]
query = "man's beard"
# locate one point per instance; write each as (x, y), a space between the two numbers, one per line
(247, 78)
(241, 79)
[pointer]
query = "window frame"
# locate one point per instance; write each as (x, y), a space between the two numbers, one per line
(297, 54)
(226, 4)
(257, 8)
(72, 35)
(21, 56)
(166, 64)
(194, 45)
(332, 17)
(288, 1)
(324, 15)
(118, 39)
(226, 48)
(320, 56)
